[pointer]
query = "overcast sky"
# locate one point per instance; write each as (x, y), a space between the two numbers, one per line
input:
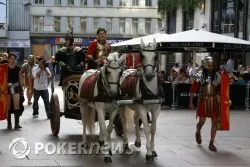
(2, 12)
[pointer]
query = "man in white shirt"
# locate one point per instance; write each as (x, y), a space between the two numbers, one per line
(41, 73)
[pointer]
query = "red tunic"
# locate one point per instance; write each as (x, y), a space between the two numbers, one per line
(92, 51)
(201, 103)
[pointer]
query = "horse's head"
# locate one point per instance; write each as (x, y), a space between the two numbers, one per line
(111, 73)
(149, 59)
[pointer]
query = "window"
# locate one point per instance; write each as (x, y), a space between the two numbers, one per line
(147, 26)
(134, 26)
(70, 2)
(122, 2)
(83, 24)
(148, 3)
(135, 2)
(84, 2)
(122, 25)
(96, 23)
(109, 2)
(57, 23)
(188, 20)
(70, 23)
(96, 2)
(39, 2)
(109, 25)
(58, 2)
(38, 23)
(160, 24)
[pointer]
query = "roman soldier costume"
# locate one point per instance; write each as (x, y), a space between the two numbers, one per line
(26, 70)
(70, 58)
(98, 51)
(207, 84)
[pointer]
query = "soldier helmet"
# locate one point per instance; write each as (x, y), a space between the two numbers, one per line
(69, 36)
(206, 60)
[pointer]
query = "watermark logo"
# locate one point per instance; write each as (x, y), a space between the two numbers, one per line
(19, 148)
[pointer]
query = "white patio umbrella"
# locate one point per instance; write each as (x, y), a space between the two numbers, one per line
(201, 41)
(136, 42)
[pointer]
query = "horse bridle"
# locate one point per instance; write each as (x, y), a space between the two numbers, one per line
(148, 65)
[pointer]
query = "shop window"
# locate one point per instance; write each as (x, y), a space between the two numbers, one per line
(58, 2)
(83, 24)
(109, 25)
(38, 2)
(57, 23)
(71, 23)
(135, 2)
(84, 2)
(96, 2)
(96, 23)
(70, 2)
(122, 2)
(148, 2)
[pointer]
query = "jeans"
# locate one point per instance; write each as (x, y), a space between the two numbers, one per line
(45, 96)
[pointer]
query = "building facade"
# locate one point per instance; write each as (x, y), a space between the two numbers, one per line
(17, 29)
(228, 17)
(123, 19)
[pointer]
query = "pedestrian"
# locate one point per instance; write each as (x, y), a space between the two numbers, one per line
(41, 74)
(15, 91)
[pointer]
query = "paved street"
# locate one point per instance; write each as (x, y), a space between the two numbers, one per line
(175, 142)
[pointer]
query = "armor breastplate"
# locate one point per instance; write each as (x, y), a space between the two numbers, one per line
(208, 90)
(70, 58)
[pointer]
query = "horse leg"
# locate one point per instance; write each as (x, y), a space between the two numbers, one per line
(155, 115)
(137, 130)
(143, 116)
(123, 120)
(101, 119)
(84, 123)
(112, 115)
(101, 139)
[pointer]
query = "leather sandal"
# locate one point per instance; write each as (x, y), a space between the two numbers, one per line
(198, 137)
(212, 147)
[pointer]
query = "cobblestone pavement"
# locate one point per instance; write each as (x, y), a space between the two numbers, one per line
(175, 142)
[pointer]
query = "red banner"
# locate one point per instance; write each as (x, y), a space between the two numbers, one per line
(3, 91)
(224, 115)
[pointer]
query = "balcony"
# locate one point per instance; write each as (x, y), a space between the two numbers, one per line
(3, 31)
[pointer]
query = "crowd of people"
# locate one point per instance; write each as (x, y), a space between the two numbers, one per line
(186, 73)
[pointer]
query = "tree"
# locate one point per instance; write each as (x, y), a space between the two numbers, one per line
(169, 6)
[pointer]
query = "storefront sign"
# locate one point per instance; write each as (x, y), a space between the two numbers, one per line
(40, 41)
(14, 43)
(62, 40)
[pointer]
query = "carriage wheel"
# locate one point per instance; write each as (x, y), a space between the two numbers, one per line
(55, 118)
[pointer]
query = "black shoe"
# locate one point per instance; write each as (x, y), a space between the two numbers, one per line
(9, 126)
(18, 126)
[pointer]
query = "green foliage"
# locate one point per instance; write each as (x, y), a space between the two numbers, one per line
(169, 6)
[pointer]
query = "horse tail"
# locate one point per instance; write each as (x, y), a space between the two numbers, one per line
(129, 115)
(90, 115)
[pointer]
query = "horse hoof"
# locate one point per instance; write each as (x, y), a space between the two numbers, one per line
(101, 143)
(126, 149)
(107, 160)
(149, 158)
(154, 154)
(137, 144)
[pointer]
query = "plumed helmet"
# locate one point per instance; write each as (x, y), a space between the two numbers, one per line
(69, 36)
(206, 60)
(30, 58)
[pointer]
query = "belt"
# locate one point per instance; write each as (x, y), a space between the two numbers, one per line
(12, 86)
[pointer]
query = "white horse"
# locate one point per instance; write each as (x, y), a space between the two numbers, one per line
(143, 85)
(97, 92)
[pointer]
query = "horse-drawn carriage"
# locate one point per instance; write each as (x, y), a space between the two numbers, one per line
(109, 92)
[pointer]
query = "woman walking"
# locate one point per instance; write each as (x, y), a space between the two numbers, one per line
(14, 91)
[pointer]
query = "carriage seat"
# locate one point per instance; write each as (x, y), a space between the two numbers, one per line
(128, 83)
